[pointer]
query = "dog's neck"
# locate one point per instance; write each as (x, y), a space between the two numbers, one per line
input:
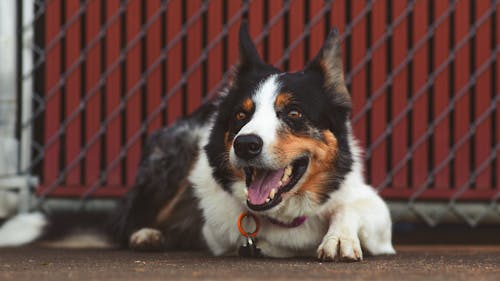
(298, 221)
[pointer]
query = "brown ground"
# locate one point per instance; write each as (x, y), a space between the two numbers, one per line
(411, 263)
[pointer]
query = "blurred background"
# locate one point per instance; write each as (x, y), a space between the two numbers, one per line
(83, 83)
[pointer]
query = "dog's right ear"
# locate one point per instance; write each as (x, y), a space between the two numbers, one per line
(248, 55)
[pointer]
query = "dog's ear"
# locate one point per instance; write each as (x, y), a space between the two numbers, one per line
(248, 55)
(328, 62)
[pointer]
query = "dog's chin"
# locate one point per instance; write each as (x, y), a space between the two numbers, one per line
(268, 188)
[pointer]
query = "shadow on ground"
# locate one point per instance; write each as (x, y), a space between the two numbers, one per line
(411, 263)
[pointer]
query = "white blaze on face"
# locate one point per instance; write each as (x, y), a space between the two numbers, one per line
(264, 122)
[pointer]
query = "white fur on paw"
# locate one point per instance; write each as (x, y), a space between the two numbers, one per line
(146, 239)
(340, 248)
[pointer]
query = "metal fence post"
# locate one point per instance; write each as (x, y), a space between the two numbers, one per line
(15, 106)
(26, 95)
(8, 101)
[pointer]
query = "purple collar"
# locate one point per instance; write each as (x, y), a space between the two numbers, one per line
(298, 221)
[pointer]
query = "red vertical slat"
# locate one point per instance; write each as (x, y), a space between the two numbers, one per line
(482, 95)
(379, 110)
(73, 89)
(317, 35)
(497, 92)
(295, 29)
(133, 88)
(174, 60)
(93, 106)
(214, 61)
(441, 95)
(194, 48)
(399, 96)
(358, 80)
(420, 70)
(113, 90)
(53, 104)
(153, 53)
(275, 36)
(232, 39)
(462, 75)
(256, 22)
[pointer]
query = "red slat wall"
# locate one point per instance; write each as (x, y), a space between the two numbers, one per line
(146, 46)
(93, 93)
(154, 61)
(72, 93)
(295, 25)
(420, 78)
(496, 117)
(115, 18)
(193, 49)
(379, 110)
(482, 95)
(400, 97)
(50, 170)
(174, 60)
(441, 95)
(133, 92)
(358, 47)
(214, 60)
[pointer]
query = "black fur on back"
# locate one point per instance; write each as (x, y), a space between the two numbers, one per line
(167, 158)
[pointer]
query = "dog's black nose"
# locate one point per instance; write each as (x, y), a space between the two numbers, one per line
(248, 146)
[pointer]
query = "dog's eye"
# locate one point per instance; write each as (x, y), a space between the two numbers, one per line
(240, 115)
(294, 114)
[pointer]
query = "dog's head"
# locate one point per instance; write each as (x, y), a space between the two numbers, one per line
(280, 141)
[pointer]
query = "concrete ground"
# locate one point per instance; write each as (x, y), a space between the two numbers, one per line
(411, 263)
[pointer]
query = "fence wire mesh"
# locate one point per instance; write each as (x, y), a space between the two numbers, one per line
(422, 74)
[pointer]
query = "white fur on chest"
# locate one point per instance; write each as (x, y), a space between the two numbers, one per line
(220, 210)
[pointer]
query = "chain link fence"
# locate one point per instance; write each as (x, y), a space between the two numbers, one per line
(96, 77)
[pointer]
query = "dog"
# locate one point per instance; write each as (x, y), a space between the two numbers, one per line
(274, 149)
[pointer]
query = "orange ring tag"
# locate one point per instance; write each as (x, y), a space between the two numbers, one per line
(255, 219)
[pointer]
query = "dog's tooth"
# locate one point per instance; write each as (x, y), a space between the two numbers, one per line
(288, 170)
(268, 199)
(284, 178)
(280, 183)
(272, 193)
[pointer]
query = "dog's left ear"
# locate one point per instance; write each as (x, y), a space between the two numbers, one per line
(248, 55)
(329, 62)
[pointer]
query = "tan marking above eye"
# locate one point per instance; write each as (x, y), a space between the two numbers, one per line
(294, 113)
(247, 105)
(240, 115)
(283, 99)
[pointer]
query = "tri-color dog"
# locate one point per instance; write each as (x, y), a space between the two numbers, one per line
(278, 145)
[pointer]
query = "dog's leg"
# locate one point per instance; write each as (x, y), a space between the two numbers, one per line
(363, 223)
(147, 239)
(375, 232)
(160, 185)
(341, 241)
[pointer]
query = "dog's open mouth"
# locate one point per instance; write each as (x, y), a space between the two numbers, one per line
(265, 187)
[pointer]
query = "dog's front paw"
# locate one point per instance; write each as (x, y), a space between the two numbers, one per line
(340, 248)
(146, 239)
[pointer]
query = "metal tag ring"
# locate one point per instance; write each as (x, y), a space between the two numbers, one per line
(240, 227)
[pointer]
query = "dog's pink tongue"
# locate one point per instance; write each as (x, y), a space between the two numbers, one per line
(260, 188)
